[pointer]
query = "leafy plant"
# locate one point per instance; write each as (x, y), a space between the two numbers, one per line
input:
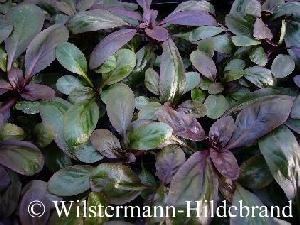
(118, 104)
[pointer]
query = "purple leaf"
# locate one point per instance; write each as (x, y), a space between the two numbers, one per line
(5, 180)
(183, 125)
(222, 130)
(145, 4)
(259, 118)
(124, 12)
(158, 33)
(16, 79)
(261, 31)
(36, 190)
(33, 92)
(297, 80)
(109, 45)
(41, 51)
(4, 87)
(226, 163)
(189, 18)
(21, 157)
(27, 21)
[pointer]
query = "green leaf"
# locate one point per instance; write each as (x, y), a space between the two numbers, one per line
(149, 136)
(216, 106)
(69, 181)
(222, 43)
(93, 20)
(80, 121)
(52, 113)
(282, 66)
(41, 51)
(71, 58)
(152, 81)
(259, 118)
(292, 40)
(3, 59)
(109, 65)
(281, 152)
(172, 76)
(5, 29)
(21, 157)
(204, 64)
(240, 25)
(255, 173)
(253, 8)
(44, 134)
(232, 75)
(235, 64)
(289, 8)
(120, 106)
(55, 159)
(66, 84)
(168, 161)
(196, 108)
(192, 81)
(87, 153)
(79, 94)
(204, 32)
(28, 107)
(27, 21)
(259, 76)
(148, 111)
(125, 61)
(259, 57)
(106, 143)
(71, 219)
(11, 131)
(249, 200)
(94, 201)
(243, 40)
(195, 181)
(207, 46)
(116, 181)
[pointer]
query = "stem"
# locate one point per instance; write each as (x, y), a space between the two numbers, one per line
(8, 104)
(89, 81)
(183, 144)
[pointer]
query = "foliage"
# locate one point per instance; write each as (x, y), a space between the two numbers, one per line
(164, 109)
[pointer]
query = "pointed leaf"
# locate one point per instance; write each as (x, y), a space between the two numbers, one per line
(168, 161)
(94, 20)
(120, 106)
(116, 181)
(226, 163)
(281, 152)
(33, 92)
(69, 181)
(195, 181)
(106, 143)
(41, 51)
(27, 21)
(183, 125)
(158, 33)
(16, 79)
(282, 66)
(172, 76)
(259, 118)
(204, 64)
(190, 18)
(222, 130)
(109, 45)
(21, 157)
(80, 121)
(71, 58)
